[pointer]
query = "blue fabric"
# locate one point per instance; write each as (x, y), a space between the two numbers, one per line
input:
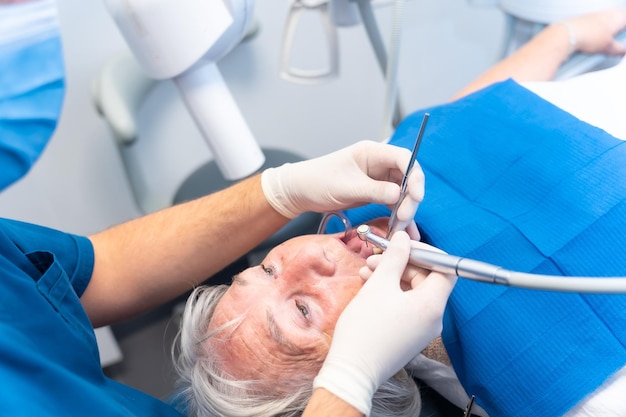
(49, 363)
(32, 88)
(514, 181)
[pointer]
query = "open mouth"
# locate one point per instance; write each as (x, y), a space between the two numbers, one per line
(360, 247)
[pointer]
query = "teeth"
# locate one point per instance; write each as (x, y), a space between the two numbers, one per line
(377, 250)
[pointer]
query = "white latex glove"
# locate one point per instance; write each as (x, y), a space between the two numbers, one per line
(383, 327)
(366, 172)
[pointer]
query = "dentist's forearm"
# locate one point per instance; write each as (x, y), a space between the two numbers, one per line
(145, 262)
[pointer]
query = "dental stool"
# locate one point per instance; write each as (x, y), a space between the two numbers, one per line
(166, 159)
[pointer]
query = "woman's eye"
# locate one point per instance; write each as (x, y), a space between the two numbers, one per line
(303, 310)
(268, 270)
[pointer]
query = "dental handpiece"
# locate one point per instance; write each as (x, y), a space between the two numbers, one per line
(441, 262)
(492, 274)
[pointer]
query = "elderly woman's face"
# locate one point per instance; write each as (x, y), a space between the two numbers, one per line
(290, 304)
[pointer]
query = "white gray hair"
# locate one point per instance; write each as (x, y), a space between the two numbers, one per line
(205, 391)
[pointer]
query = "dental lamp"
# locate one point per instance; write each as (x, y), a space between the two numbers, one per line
(183, 40)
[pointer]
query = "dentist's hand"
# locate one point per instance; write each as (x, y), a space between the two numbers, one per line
(366, 172)
(383, 327)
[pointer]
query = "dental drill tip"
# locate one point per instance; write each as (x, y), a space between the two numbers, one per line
(362, 231)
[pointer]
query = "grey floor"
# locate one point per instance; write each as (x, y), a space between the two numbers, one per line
(146, 346)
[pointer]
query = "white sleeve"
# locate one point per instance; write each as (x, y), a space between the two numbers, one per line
(595, 97)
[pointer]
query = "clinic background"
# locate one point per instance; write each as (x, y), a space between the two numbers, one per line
(79, 184)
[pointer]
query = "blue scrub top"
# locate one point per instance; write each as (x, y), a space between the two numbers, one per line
(517, 182)
(50, 361)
